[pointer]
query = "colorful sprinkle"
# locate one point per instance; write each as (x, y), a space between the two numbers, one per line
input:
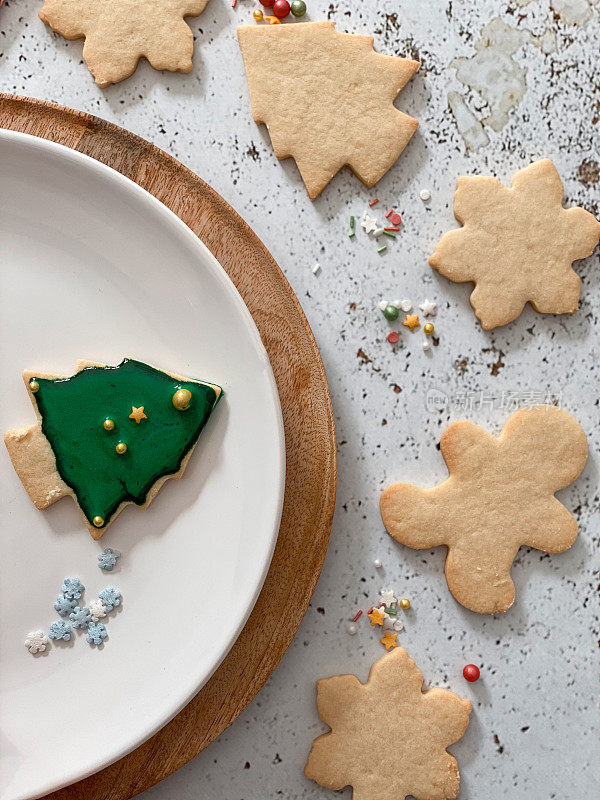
(281, 8)
(273, 20)
(257, 14)
(391, 228)
(64, 605)
(352, 222)
(389, 213)
(351, 234)
(374, 202)
(389, 640)
(404, 603)
(376, 616)
(412, 322)
(428, 328)
(381, 249)
(471, 673)
(391, 312)
(393, 337)
(389, 233)
(395, 219)
(80, 617)
(72, 588)
(357, 615)
(298, 8)
(110, 597)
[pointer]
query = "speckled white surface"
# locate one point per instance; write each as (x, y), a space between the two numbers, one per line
(501, 84)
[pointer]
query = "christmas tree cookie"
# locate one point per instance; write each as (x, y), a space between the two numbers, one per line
(108, 436)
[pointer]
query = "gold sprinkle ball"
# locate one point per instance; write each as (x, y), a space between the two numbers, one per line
(257, 14)
(405, 603)
(182, 399)
(34, 386)
(428, 328)
(109, 424)
(121, 448)
(98, 522)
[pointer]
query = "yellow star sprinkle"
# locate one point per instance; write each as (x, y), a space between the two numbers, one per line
(412, 322)
(376, 617)
(137, 414)
(273, 20)
(389, 640)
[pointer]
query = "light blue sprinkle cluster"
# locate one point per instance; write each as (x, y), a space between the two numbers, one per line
(60, 630)
(96, 633)
(110, 597)
(80, 617)
(72, 588)
(64, 605)
(108, 559)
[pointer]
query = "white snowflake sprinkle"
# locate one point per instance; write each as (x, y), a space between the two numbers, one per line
(36, 641)
(428, 308)
(97, 609)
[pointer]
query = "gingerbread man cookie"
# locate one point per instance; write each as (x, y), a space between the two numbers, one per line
(332, 101)
(516, 245)
(388, 738)
(499, 496)
(118, 33)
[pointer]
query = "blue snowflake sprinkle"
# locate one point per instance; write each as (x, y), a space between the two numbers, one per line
(64, 605)
(72, 588)
(110, 597)
(60, 630)
(80, 617)
(108, 559)
(96, 633)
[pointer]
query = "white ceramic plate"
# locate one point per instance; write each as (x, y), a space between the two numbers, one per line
(92, 266)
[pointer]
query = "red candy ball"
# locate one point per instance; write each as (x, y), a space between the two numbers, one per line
(281, 8)
(471, 673)
(267, 3)
(395, 219)
(392, 337)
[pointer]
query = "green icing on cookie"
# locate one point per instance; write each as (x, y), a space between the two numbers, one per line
(74, 412)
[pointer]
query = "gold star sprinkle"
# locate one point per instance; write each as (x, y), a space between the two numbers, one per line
(412, 322)
(137, 414)
(389, 640)
(376, 617)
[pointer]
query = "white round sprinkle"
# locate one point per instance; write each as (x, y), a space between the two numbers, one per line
(351, 628)
(425, 195)
(383, 305)
(426, 345)
(406, 305)
(377, 563)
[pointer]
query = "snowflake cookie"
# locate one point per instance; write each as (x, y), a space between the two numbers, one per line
(120, 32)
(96, 633)
(64, 605)
(499, 496)
(110, 597)
(108, 558)
(72, 588)
(80, 617)
(516, 245)
(36, 641)
(60, 630)
(97, 609)
(391, 707)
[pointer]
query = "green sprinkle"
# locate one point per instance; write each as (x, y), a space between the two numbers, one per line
(391, 612)
(352, 222)
(351, 234)
(381, 249)
(389, 233)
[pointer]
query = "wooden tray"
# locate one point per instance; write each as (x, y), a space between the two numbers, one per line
(309, 435)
